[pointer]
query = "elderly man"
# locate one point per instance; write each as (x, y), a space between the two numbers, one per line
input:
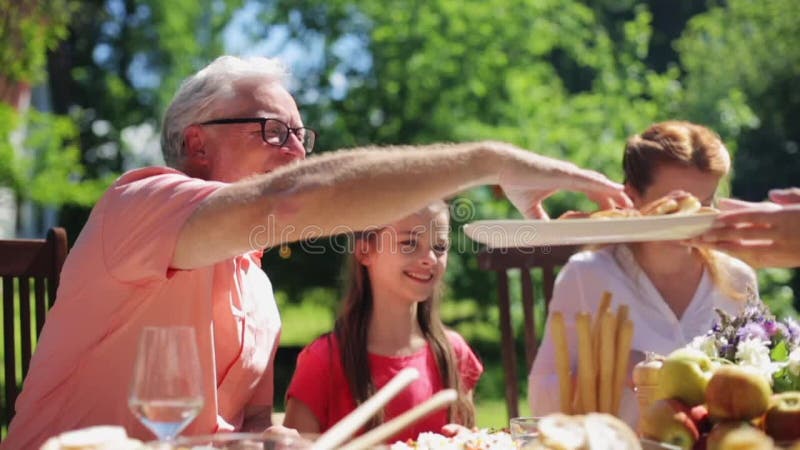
(182, 245)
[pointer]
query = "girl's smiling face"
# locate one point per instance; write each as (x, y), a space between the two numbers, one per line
(406, 260)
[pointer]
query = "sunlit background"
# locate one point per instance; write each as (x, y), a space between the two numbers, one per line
(83, 85)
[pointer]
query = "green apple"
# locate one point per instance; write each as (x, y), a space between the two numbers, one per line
(737, 393)
(782, 421)
(669, 421)
(684, 375)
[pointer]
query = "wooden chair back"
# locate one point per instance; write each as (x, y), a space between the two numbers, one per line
(27, 266)
(547, 259)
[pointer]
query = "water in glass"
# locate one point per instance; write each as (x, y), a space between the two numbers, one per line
(166, 392)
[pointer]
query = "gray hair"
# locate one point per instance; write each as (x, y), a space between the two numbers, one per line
(199, 94)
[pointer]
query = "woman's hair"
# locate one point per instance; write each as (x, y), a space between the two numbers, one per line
(199, 96)
(683, 144)
(673, 143)
(353, 323)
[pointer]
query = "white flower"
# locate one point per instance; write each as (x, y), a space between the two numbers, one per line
(794, 362)
(755, 353)
(476, 440)
(705, 344)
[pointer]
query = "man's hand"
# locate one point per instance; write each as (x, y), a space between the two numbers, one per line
(785, 196)
(762, 234)
(528, 179)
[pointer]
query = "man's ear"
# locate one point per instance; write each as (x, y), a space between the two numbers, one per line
(194, 145)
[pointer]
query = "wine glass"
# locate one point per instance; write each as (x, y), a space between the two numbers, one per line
(166, 392)
(524, 432)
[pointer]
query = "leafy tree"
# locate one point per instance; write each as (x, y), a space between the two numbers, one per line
(742, 74)
(119, 67)
(742, 66)
(46, 170)
(28, 30)
(545, 75)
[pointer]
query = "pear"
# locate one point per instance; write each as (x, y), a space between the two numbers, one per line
(737, 393)
(742, 438)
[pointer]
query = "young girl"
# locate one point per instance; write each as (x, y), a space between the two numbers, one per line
(389, 321)
(672, 290)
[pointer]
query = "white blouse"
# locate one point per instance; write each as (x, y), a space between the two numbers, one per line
(579, 287)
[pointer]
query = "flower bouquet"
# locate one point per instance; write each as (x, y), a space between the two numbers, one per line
(756, 339)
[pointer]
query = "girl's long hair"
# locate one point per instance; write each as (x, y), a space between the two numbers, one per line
(683, 144)
(351, 331)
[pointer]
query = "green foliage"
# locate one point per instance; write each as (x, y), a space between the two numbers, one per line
(303, 322)
(55, 173)
(118, 65)
(567, 79)
(39, 157)
(544, 75)
(742, 73)
(48, 167)
(733, 54)
(776, 291)
(9, 166)
(28, 30)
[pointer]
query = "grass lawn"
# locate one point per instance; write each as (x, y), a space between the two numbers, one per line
(303, 323)
(491, 412)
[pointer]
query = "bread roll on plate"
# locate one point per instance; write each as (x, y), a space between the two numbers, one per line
(615, 214)
(676, 202)
(593, 431)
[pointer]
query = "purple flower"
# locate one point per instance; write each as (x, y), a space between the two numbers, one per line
(771, 327)
(752, 311)
(727, 351)
(793, 331)
(781, 330)
(752, 330)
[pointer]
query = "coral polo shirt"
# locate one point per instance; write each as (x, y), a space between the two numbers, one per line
(116, 280)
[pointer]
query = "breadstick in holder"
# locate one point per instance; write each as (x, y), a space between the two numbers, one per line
(586, 370)
(605, 303)
(624, 340)
(608, 338)
(622, 316)
(559, 335)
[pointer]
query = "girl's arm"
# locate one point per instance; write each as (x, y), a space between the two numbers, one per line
(306, 392)
(300, 417)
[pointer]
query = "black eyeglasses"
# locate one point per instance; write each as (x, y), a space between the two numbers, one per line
(273, 131)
